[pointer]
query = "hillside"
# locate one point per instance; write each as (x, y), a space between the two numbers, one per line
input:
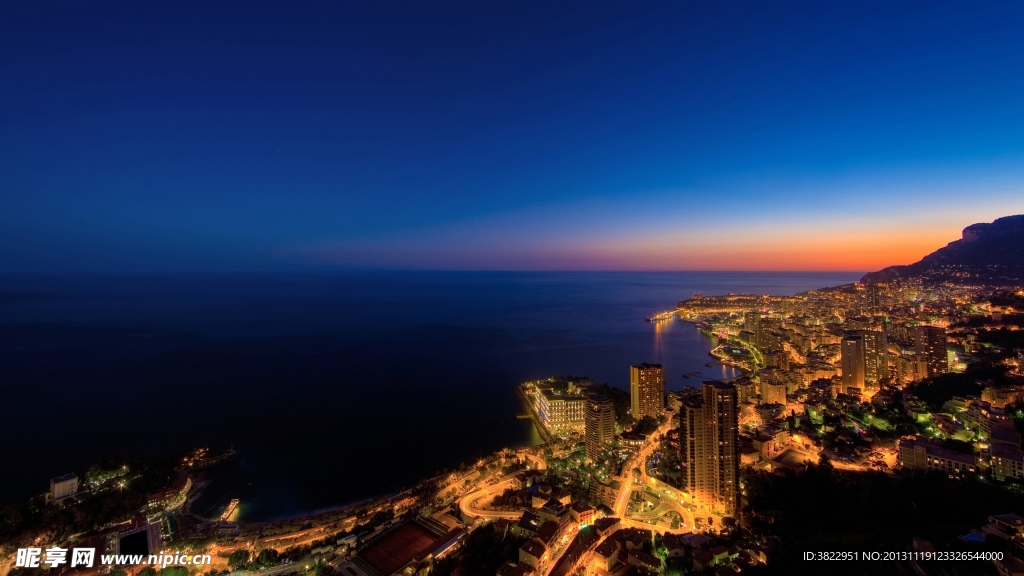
(991, 253)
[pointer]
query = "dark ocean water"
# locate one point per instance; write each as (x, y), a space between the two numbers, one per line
(334, 386)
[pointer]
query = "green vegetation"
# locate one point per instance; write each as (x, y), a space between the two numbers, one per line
(936, 391)
(238, 559)
(484, 551)
(324, 570)
(1016, 411)
(621, 400)
(110, 502)
(958, 446)
(266, 558)
(669, 468)
(1002, 337)
(572, 473)
(827, 509)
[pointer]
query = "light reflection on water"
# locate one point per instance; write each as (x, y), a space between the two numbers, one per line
(334, 387)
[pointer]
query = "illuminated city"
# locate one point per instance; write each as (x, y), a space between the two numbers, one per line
(323, 288)
(893, 377)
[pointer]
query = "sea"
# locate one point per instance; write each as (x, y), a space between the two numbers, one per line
(333, 386)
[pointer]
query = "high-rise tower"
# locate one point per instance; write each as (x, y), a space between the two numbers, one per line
(647, 390)
(876, 356)
(851, 349)
(599, 424)
(930, 345)
(708, 433)
(865, 357)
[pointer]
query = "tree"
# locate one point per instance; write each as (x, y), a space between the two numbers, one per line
(238, 559)
(324, 570)
(825, 464)
(958, 446)
(268, 557)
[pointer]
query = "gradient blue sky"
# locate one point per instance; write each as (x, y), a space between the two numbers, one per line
(249, 135)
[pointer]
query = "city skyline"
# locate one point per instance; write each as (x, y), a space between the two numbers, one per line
(691, 136)
(586, 288)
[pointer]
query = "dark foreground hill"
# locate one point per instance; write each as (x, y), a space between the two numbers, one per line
(990, 253)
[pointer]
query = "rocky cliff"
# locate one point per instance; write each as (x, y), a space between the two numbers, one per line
(987, 252)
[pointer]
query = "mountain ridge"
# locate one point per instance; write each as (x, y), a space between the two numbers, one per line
(992, 252)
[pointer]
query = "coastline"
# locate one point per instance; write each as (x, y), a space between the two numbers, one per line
(534, 417)
(724, 360)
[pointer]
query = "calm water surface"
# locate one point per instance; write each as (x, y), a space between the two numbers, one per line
(336, 386)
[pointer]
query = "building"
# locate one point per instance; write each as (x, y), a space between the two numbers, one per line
(1007, 462)
(647, 390)
(172, 497)
(599, 425)
(852, 352)
(773, 391)
(1000, 397)
(142, 540)
(769, 442)
(62, 488)
(561, 413)
(930, 345)
(876, 356)
(921, 454)
(605, 493)
(407, 548)
(865, 358)
(777, 359)
(582, 514)
(745, 390)
(532, 553)
(709, 435)
(752, 324)
(910, 368)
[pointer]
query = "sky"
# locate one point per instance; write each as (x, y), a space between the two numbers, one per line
(224, 135)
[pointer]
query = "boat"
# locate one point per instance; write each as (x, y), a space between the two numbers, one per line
(710, 364)
(690, 374)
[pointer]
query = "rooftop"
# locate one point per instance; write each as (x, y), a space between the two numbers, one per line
(397, 548)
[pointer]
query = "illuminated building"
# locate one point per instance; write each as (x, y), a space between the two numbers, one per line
(876, 356)
(599, 426)
(745, 390)
(873, 300)
(920, 454)
(62, 488)
(777, 359)
(752, 324)
(582, 514)
(910, 368)
(1000, 397)
(708, 432)
(1007, 462)
(647, 390)
(561, 413)
(930, 345)
(865, 358)
(174, 495)
(773, 391)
